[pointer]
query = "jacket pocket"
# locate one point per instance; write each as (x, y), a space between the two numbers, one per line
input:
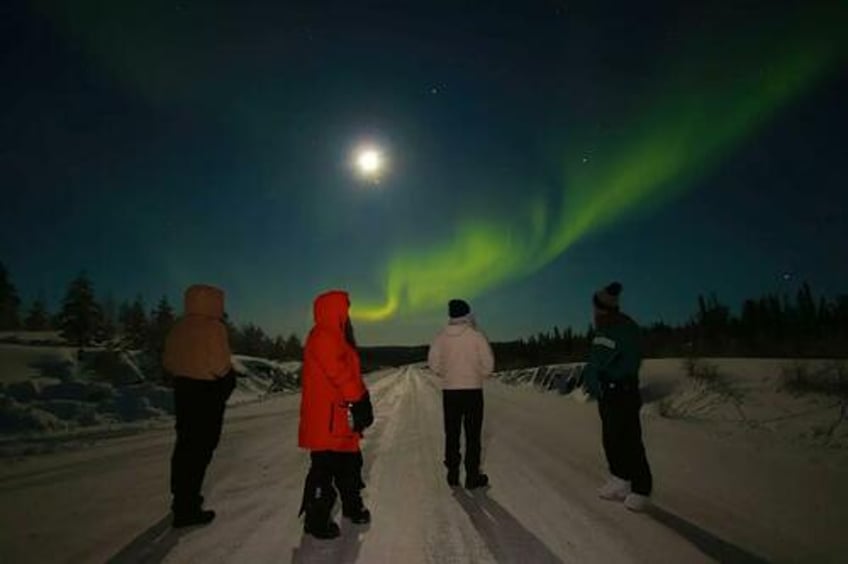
(339, 426)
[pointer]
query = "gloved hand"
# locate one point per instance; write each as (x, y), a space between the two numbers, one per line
(227, 383)
(363, 413)
(593, 388)
(591, 381)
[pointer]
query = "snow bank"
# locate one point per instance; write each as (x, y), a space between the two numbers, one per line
(259, 377)
(46, 389)
(21, 362)
(784, 399)
(47, 338)
(563, 378)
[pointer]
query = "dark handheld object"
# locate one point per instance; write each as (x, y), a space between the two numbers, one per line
(363, 413)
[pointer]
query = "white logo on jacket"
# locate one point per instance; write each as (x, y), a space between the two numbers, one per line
(604, 342)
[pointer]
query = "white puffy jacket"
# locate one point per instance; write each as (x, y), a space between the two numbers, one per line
(461, 356)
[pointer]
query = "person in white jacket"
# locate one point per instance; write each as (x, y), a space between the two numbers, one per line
(461, 357)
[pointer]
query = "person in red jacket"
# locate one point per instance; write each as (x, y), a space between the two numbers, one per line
(335, 408)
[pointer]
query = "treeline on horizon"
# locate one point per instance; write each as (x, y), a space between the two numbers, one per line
(771, 326)
(83, 320)
(799, 326)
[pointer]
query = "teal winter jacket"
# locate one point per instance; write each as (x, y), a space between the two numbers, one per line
(615, 355)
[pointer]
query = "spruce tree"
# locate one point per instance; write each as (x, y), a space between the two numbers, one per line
(254, 341)
(124, 315)
(161, 320)
(278, 348)
(134, 324)
(109, 325)
(9, 303)
(294, 349)
(37, 319)
(80, 318)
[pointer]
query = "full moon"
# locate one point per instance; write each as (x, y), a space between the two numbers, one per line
(370, 162)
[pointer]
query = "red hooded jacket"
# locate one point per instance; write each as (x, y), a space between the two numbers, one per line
(331, 379)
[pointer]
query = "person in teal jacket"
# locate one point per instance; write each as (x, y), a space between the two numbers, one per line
(612, 375)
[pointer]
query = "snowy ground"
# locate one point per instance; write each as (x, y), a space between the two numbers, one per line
(20, 362)
(754, 397)
(718, 498)
(48, 394)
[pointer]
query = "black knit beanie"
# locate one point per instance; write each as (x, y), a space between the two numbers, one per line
(607, 298)
(458, 308)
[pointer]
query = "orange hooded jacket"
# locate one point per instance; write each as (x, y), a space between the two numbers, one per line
(331, 379)
(197, 346)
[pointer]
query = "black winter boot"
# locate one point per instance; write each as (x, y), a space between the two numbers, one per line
(325, 530)
(196, 517)
(317, 521)
(453, 477)
(476, 481)
(188, 511)
(358, 516)
(354, 509)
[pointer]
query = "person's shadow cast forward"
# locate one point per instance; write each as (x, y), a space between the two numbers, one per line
(342, 550)
(506, 538)
(152, 545)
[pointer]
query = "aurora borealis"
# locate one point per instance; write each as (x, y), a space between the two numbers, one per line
(693, 126)
(535, 153)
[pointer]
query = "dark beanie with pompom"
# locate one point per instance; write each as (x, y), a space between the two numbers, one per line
(607, 298)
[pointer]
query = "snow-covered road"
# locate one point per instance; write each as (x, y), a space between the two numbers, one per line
(541, 451)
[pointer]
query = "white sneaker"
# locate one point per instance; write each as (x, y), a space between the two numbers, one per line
(615, 489)
(636, 502)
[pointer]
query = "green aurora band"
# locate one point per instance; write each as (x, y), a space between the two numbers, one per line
(681, 136)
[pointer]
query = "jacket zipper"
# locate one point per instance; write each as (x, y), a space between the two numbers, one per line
(332, 412)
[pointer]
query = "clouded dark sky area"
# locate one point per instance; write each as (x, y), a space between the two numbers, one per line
(535, 151)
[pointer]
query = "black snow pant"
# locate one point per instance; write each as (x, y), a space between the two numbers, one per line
(619, 406)
(199, 407)
(331, 471)
(463, 408)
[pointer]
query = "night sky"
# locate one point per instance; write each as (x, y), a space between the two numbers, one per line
(534, 152)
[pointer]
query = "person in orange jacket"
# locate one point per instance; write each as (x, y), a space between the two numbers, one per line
(335, 408)
(197, 356)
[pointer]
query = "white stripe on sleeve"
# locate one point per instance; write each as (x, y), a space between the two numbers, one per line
(604, 342)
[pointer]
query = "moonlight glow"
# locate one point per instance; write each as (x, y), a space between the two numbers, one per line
(370, 163)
